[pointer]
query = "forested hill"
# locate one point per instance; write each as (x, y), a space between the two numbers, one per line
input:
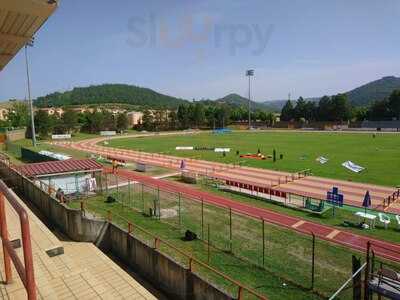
(372, 91)
(235, 100)
(110, 93)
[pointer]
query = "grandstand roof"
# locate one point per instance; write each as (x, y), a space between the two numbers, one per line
(19, 21)
(60, 167)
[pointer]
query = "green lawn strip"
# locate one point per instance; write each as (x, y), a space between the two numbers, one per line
(247, 237)
(287, 254)
(45, 145)
(300, 149)
(392, 234)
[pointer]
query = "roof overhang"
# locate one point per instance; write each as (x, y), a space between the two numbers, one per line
(19, 21)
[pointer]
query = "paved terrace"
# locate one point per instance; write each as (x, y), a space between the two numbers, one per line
(83, 271)
(310, 186)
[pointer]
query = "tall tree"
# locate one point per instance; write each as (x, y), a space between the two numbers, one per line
(300, 109)
(44, 124)
(183, 116)
(270, 119)
(340, 108)
(394, 104)
(69, 120)
(172, 120)
(95, 122)
(18, 115)
(122, 122)
(310, 111)
(109, 122)
(287, 113)
(148, 120)
(379, 111)
(324, 111)
(210, 115)
(198, 114)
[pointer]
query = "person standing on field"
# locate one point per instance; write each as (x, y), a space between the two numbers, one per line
(114, 166)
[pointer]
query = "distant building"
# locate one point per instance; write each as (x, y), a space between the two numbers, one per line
(59, 111)
(79, 109)
(49, 110)
(116, 111)
(134, 118)
(3, 114)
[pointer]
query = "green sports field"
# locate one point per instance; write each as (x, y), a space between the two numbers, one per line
(380, 155)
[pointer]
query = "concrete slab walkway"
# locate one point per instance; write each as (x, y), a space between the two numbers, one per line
(83, 271)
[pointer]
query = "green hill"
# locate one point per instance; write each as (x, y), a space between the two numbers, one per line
(375, 90)
(109, 93)
(360, 96)
(236, 100)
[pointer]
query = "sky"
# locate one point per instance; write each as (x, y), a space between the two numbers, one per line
(201, 49)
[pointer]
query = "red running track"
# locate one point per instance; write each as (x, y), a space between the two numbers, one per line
(350, 240)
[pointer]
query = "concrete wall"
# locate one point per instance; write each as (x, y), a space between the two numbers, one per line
(175, 280)
(14, 135)
(70, 221)
(162, 271)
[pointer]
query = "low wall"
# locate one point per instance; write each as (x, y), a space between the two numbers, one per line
(161, 270)
(68, 220)
(14, 135)
(175, 280)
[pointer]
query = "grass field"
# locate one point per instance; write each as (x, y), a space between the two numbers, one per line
(378, 155)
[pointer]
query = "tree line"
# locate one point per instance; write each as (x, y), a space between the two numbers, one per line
(200, 115)
(383, 110)
(69, 122)
(338, 109)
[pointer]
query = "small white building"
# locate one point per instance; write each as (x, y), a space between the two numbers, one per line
(134, 118)
(72, 176)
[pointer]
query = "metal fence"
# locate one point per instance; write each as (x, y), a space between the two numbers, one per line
(299, 259)
(40, 193)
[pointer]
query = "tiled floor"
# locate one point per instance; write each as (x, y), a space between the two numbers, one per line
(83, 271)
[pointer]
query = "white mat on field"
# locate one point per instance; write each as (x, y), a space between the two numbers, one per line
(322, 160)
(57, 156)
(352, 166)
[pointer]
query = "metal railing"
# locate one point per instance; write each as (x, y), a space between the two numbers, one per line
(192, 261)
(25, 271)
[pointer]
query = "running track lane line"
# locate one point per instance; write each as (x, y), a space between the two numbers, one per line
(344, 238)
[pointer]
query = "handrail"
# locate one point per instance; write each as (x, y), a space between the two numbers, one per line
(348, 281)
(158, 240)
(25, 273)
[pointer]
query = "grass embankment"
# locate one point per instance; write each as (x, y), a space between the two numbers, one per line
(378, 155)
(286, 253)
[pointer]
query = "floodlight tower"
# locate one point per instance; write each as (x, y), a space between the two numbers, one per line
(30, 44)
(249, 73)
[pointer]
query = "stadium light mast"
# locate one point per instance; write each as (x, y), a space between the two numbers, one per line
(249, 73)
(30, 44)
